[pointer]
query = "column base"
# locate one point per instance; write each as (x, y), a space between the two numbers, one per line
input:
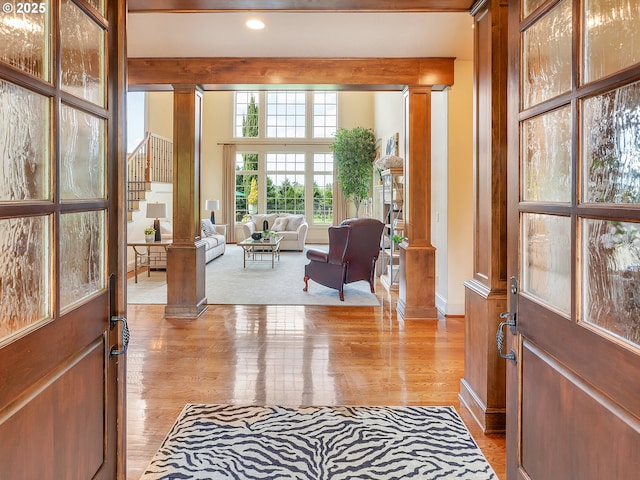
(483, 388)
(416, 283)
(186, 280)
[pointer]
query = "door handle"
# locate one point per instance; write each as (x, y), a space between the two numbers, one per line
(510, 319)
(500, 337)
(125, 335)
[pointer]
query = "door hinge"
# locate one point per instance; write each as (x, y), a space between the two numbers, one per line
(125, 335)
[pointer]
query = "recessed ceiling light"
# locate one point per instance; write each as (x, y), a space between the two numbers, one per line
(255, 24)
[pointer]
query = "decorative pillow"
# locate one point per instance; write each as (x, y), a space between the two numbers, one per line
(389, 161)
(294, 222)
(207, 228)
(280, 225)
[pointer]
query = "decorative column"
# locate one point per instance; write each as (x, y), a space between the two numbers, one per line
(416, 279)
(186, 255)
(482, 390)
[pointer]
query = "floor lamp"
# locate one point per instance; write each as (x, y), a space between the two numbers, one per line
(157, 211)
(212, 205)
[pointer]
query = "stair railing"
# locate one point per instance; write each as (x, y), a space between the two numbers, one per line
(150, 161)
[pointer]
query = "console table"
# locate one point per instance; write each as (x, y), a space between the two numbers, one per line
(145, 257)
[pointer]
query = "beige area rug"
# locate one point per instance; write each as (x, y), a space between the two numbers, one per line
(228, 283)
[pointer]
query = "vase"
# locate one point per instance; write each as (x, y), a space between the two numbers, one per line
(150, 238)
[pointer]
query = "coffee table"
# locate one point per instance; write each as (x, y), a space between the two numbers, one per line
(254, 250)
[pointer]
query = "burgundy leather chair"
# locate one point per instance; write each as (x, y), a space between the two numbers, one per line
(354, 247)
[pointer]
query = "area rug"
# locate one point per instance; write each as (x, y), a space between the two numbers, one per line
(228, 283)
(318, 443)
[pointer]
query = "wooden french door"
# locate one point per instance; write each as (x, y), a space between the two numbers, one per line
(61, 87)
(574, 240)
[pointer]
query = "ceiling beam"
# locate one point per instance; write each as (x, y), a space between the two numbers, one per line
(191, 6)
(228, 73)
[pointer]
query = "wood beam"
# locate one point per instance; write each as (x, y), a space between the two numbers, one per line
(229, 73)
(299, 5)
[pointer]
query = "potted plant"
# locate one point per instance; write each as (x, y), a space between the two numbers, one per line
(149, 234)
(354, 152)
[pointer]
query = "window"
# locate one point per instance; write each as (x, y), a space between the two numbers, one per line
(285, 182)
(135, 119)
(246, 178)
(286, 114)
(296, 176)
(246, 115)
(322, 187)
(325, 114)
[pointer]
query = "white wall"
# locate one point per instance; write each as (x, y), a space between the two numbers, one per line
(460, 187)
(439, 193)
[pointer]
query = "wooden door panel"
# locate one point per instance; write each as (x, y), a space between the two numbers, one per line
(573, 394)
(571, 429)
(49, 347)
(577, 347)
(55, 427)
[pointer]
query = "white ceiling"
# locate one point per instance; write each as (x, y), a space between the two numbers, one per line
(301, 35)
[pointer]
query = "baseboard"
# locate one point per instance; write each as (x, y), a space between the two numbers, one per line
(491, 420)
(449, 309)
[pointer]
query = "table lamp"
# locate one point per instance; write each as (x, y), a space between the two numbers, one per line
(157, 211)
(212, 205)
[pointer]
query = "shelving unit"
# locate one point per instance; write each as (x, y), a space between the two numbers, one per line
(392, 216)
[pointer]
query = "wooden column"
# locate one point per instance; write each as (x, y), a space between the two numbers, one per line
(186, 255)
(416, 279)
(482, 389)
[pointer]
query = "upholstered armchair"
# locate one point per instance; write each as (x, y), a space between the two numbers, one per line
(354, 247)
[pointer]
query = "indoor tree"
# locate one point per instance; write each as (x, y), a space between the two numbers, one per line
(354, 151)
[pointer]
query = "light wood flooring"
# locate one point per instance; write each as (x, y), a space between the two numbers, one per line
(289, 355)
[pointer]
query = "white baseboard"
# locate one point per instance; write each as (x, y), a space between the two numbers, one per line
(445, 308)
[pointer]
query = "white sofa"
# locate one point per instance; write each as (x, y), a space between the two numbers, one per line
(291, 227)
(214, 237)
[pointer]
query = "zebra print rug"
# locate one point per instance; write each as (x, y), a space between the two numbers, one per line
(318, 443)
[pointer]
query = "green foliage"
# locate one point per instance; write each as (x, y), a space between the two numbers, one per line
(253, 194)
(354, 152)
(250, 120)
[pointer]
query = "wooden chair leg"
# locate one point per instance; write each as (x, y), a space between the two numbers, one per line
(341, 292)
(306, 284)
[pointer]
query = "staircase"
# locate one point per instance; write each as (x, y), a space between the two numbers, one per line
(151, 161)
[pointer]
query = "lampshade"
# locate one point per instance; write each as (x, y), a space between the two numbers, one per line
(156, 210)
(212, 205)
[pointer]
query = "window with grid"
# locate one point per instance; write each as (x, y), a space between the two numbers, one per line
(285, 182)
(286, 114)
(322, 187)
(247, 115)
(246, 178)
(325, 114)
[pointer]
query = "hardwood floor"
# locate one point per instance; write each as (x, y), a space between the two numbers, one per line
(289, 355)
